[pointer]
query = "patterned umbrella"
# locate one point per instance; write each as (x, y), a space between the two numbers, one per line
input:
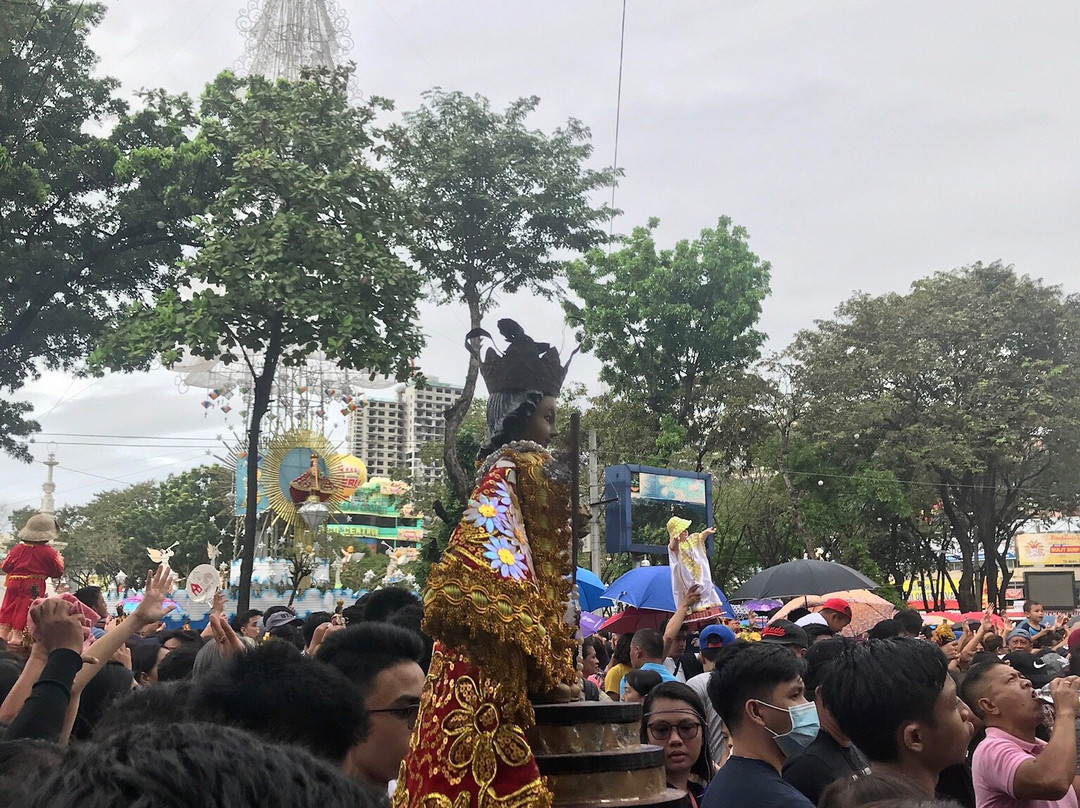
(867, 609)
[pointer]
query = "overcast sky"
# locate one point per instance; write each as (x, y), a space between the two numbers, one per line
(862, 144)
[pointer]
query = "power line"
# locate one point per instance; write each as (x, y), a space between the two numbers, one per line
(918, 483)
(158, 467)
(618, 117)
(124, 437)
(205, 445)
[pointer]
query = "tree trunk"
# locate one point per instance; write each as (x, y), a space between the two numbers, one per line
(459, 480)
(264, 384)
(960, 530)
(1006, 575)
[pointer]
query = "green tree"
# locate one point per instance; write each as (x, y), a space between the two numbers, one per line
(112, 532)
(472, 435)
(298, 251)
(966, 387)
(498, 207)
(670, 325)
(89, 220)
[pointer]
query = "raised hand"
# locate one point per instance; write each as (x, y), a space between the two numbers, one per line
(321, 633)
(151, 608)
(692, 596)
(218, 606)
(227, 641)
(56, 626)
(123, 656)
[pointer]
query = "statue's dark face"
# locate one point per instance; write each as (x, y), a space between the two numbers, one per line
(541, 424)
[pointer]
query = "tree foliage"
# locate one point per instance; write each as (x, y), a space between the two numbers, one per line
(966, 388)
(91, 216)
(298, 250)
(498, 207)
(112, 532)
(671, 326)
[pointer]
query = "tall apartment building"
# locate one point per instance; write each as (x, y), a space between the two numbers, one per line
(389, 434)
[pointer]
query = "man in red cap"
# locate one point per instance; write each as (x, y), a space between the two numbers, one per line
(837, 613)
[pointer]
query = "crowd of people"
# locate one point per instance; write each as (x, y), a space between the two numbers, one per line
(979, 713)
(262, 709)
(429, 703)
(271, 709)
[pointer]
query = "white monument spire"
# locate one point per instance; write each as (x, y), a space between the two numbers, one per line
(48, 487)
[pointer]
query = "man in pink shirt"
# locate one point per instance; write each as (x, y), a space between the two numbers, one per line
(1013, 768)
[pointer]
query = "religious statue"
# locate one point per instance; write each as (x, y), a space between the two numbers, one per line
(496, 602)
(27, 565)
(312, 484)
(690, 567)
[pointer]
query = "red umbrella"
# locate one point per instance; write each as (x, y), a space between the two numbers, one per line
(632, 619)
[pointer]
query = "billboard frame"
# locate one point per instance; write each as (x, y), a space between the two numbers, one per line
(618, 520)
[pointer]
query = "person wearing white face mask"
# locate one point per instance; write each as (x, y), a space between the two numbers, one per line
(758, 691)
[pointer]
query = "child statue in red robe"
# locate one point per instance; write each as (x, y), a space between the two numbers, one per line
(27, 565)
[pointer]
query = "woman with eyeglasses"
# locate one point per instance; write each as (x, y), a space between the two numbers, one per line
(673, 717)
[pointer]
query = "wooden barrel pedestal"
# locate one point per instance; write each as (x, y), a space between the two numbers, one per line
(591, 755)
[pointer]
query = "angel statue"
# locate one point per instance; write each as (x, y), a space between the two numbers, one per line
(163, 556)
(213, 551)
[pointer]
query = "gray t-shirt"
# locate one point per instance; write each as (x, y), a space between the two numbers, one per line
(717, 744)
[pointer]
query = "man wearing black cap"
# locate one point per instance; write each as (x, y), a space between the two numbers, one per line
(832, 755)
(787, 634)
(281, 623)
(1031, 668)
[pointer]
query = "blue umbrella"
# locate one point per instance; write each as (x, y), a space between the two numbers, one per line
(650, 588)
(590, 590)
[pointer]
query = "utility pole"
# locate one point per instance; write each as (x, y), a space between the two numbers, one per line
(594, 496)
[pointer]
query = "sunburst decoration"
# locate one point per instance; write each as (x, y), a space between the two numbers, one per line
(277, 493)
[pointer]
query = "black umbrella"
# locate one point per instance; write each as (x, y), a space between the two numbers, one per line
(805, 576)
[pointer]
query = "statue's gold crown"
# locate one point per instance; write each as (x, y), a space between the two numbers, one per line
(526, 364)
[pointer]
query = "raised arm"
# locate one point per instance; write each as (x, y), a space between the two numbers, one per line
(1051, 774)
(675, 624)
(150, 610)
(59, 645)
